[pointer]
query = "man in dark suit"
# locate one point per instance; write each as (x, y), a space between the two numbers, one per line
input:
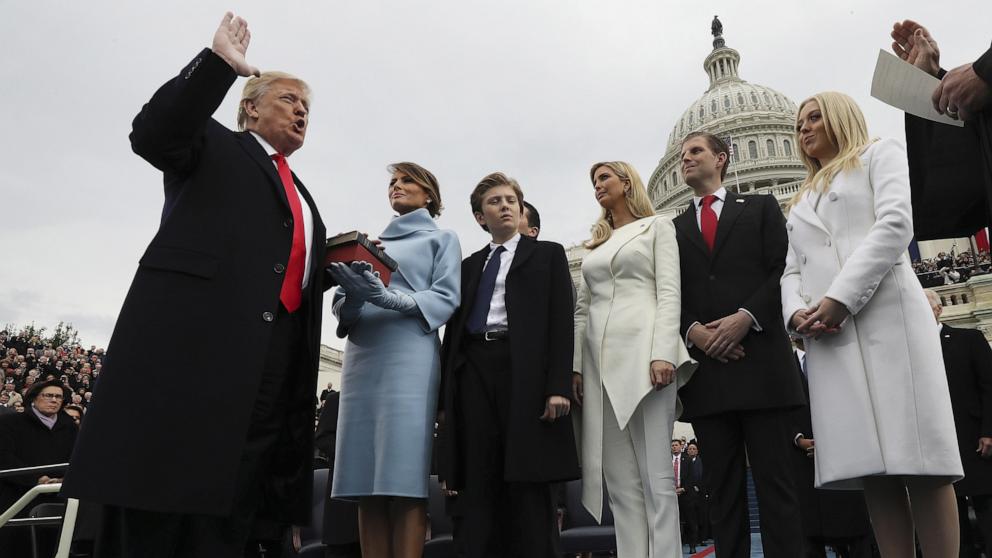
(950, 167)
(506, 376)
(968, 362)
(235, 268)
(732, 252)
(836, 518)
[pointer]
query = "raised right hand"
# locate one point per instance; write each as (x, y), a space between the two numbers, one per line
(231, 42)
(913, 43)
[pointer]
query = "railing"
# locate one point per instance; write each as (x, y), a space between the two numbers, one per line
(71, 509)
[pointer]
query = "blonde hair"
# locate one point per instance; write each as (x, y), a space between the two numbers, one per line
(257, 87)
(846, 130)
(636, 196)
(426, 180)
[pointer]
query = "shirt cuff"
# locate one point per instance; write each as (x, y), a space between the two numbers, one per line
(688, 344)
(754, 321)
(795, 441)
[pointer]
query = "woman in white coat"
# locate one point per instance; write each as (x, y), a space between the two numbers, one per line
(629, 363)
(878, 392)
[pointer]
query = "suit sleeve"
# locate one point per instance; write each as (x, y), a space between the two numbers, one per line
(666, 344)
(889, 236)
(981, 364)
(765, 303)
(983, 67)
(562, 325)
(792, 300)
(581, 319)
(439, 302)
(169, 128)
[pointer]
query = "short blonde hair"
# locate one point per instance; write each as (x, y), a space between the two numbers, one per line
(426, 180)
(846, 129)
(637, 200)
(257, 87)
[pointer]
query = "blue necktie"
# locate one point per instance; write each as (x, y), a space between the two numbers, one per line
(484, 295)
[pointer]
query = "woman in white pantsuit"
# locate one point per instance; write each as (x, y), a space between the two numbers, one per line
(878, 392)
(629, 363)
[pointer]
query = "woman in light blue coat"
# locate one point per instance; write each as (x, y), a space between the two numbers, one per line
(391, 370)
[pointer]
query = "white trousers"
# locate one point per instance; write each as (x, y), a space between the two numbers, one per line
(637, 465)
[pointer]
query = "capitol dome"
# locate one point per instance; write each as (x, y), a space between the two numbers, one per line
(757, 121)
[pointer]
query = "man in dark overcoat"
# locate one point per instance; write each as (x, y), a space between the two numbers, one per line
(236, 268)
(42, 435)
(968, 362)
(950, 167)
(506, 381)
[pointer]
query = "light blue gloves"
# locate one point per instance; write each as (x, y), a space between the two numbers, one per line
(360, 284)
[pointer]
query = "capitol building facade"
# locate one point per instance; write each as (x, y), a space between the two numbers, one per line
(755, 120)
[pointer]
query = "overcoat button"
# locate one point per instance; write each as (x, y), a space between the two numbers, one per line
(279, 268)
(712, 277)
(832, 196)
(804, 258)
(806, 299)
(827, 242)
(788, 226)
(287, 223)
(268, 316)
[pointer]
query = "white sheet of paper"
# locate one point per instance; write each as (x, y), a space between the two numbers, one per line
(906, 87)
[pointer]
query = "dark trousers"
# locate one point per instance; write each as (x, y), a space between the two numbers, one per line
(499, 519)
(982, 504)
(134, 533)
(764, 436)
(691, 515)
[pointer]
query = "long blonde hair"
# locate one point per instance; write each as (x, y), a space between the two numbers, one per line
(636, 196)
(846, 130)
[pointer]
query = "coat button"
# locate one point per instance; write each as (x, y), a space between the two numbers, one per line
(278, 268)
(832, 196)
(804, 258)
(827, 242)
(712, 277)
(806, 299)
(288, 223)
(268, 316)
(788, 226)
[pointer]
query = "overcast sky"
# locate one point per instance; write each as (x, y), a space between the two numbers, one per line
(538, 89)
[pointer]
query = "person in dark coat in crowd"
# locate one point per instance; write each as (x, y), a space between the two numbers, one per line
(833, 518)
(693, 500)
(968, 362)
(237, 262)
(950, 168)
(42, 435)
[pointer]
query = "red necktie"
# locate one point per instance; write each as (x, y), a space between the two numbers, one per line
(677, 479)
(707, 220)
(292, 285)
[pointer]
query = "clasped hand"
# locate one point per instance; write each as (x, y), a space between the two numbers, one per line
(357, 280)
(826, 317)
(721, 339)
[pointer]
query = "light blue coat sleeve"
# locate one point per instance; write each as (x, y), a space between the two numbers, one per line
(440, 300)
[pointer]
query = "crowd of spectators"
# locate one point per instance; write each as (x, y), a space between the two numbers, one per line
(27, 357)
(949, 268)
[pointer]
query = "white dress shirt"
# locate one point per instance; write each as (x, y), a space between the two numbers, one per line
(717, 207)
(307, 214)
(497, 319)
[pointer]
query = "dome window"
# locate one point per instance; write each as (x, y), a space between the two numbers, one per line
(675, 179)
(701, 112)
(735, 153)
(754, 98)
(768, 100)
(713, 107)
(740, 99)
(726, 101)
(770, 147)
(787, 148)
(752, 149)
